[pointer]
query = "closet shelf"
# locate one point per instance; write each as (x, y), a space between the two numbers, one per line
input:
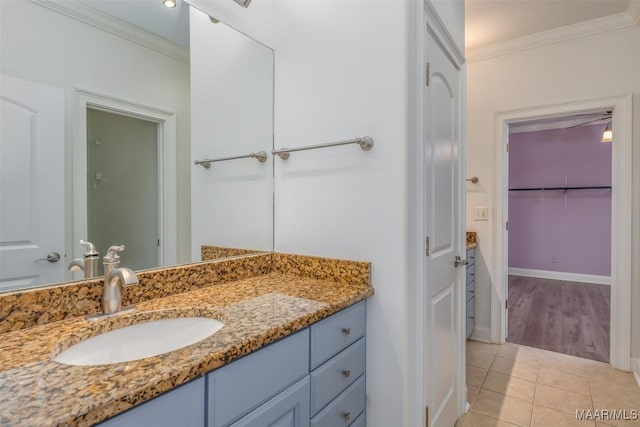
(595, 187)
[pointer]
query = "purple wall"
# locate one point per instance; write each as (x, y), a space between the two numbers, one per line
(542, 236)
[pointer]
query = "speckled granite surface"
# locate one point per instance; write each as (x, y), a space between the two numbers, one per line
(472, 239)
(208, 253)
(257, 310)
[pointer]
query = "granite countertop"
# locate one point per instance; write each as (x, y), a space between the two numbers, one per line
(35, 390)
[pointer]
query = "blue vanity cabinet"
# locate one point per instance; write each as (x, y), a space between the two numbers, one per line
(288, 409)
(470, 290)
(240, 387)
(312, 378)
(183, 406)
(337, 368)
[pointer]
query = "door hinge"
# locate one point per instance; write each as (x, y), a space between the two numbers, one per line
(506, 304)
(426, 416)
(428, 74)
(428, 249)
(507, 225)
(507, 147)
(158, 242)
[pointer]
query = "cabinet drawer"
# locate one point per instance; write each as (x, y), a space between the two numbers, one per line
(470, 316)
(470, 290)
(344, 409)
(471, 256)
(330, 379)
(471, 273)
(361, 421)
(241, 386)
(288, 409)
(182, 406)
(331, 335)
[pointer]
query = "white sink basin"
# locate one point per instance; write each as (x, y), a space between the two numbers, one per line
(139, 341)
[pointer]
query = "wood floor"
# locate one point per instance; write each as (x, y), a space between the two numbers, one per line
(565, 317)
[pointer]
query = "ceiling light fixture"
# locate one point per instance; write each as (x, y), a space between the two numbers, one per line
(607, 135)
(170, 3)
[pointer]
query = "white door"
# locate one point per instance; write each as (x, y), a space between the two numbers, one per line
(444, 227)
(31, 184)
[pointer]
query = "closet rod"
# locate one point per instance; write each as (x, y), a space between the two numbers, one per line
(597, 187)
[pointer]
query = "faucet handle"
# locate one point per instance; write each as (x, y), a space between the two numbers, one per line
(90, 248)
(112, 253)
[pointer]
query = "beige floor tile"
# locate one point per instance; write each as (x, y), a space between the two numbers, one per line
(562, 400)
(475, 376)
(548, 417)
(502, 407)
(511, 386)
(563, 380)
(479, 360)
(614, 403)
(516, 368)
(476, 419)
(574, 366)
(519, 352)
(481, 347)
(472, 392)
(621, 387)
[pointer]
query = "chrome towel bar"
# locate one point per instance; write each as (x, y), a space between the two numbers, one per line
(366, 142)
(261, 156)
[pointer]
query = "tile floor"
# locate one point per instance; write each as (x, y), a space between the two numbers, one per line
(513, 385)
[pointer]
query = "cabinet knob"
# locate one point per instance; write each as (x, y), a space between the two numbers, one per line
(346, 331)
(346, 416)
(346, 373)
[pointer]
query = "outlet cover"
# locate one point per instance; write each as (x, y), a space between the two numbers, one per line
(481, 213)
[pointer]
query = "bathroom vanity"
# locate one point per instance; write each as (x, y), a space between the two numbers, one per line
(313, 377)
(291, 353)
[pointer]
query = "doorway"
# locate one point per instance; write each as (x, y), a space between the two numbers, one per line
(147, 171)
(122, 186)
(559, 234)
(621, 195)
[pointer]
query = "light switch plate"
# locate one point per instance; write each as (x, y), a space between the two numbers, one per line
(481, 213)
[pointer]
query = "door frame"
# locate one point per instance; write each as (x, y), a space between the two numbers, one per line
(621, 198)
(167, 175)
(425, 16)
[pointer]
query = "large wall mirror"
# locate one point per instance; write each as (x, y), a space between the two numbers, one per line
(108, 108)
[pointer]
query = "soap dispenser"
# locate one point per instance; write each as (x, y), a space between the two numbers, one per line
(89, 261)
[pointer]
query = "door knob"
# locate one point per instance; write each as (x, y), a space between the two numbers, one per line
(459, 262)
(51, 257)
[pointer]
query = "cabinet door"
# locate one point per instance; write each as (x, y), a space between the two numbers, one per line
(288, 409)
(182, 406)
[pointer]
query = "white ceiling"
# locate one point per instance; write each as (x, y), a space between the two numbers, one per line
(492, 21)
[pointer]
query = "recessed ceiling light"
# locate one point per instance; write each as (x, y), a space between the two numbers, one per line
(169, 3)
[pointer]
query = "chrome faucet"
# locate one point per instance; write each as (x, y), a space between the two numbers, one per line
(114, 278)
(89, 261)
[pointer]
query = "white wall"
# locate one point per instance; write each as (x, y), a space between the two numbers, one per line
(44, 46)
(596, 66)
(341, 72)
(232, 114)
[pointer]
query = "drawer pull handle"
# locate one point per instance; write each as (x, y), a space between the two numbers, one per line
(346, 331)
(346, 373)
(471, 317)
(346, 416)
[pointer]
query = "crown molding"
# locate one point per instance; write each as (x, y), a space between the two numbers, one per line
(557, 35)
(102, 21)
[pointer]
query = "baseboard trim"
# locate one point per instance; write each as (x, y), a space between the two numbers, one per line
(558, 275)
(635, 368)
(481, 334)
